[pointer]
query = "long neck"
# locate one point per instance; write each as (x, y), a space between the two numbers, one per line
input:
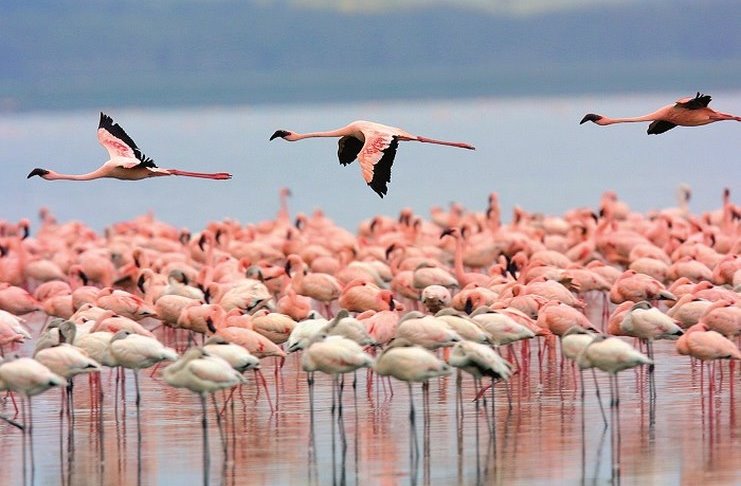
(609, 121)
(458, 260)
(56, 176)
(332, 133)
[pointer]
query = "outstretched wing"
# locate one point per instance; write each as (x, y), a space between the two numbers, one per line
(376, 159)
(660, 126)
(348, 148)
(699, 101)
(118, 143)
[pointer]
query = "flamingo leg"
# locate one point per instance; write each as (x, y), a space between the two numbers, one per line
(599, 397)
(204, 425)
(265, 386)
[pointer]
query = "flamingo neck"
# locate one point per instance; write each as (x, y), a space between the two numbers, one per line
(458, 260)
(610, 121)
(56, 176)
(332, 133)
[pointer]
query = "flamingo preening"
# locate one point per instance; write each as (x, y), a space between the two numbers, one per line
(686, 112)
(373, 144)
(127, 162)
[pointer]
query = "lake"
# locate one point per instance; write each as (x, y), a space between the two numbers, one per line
(684, 436)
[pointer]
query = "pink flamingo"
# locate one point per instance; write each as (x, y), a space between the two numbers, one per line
(636, 287)
(294, 305)
(381, 326)
(127, 162)
(319, 286)
(687, 112)
(373, 144)
(360, 296)
(724, 317)
(703, 343)
(17, 300)
(464, 278)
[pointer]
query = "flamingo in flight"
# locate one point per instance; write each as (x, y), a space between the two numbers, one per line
(687, 112)
(127, 161)
(373, 144)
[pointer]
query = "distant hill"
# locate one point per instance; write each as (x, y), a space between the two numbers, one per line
(123, 52)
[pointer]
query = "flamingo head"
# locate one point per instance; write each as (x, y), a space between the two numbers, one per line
(284, 134)
(592, 117)
(38, 172)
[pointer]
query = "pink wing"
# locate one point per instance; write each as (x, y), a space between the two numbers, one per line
(119, 144)
(376, 158)
(114, 139)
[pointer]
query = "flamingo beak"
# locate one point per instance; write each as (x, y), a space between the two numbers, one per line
(590, 117)
(279, 133)
(446, 232)
(37, 172)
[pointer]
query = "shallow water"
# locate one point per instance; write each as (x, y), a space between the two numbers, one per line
(685, 436)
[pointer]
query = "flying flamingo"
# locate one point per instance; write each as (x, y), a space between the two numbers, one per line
(127, 162)
(688, 112)
(373, 144)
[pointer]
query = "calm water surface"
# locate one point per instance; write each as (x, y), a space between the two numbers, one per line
(684, 437)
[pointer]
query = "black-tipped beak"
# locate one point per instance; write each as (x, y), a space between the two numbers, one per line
(446, 232)
(202, 242)
(392, 304)
(37, 172)
(469, 306)
(140, 284)
(287, 268)
(279, 133)
(210, 325)
(590, 117)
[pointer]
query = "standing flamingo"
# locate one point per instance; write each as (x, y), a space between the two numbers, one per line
(28, 377)
(407, 362)
(137, 352)
(688, 112)
(333, 355)
(202, 373)
(480, 360)
(373, 144)
(127, 162)
(612, 356)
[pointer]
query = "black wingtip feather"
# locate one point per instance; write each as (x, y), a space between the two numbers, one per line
(699, 101)
(660, 126)
(382, 170)
(106, 123)
(348, 148)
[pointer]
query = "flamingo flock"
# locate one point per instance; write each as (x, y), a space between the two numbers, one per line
(408, 297)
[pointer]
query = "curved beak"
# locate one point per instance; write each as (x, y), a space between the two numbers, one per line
(590, 117)
(279, 133)
(37, 172)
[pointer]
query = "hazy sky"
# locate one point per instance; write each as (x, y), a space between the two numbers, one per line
(505, 6)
